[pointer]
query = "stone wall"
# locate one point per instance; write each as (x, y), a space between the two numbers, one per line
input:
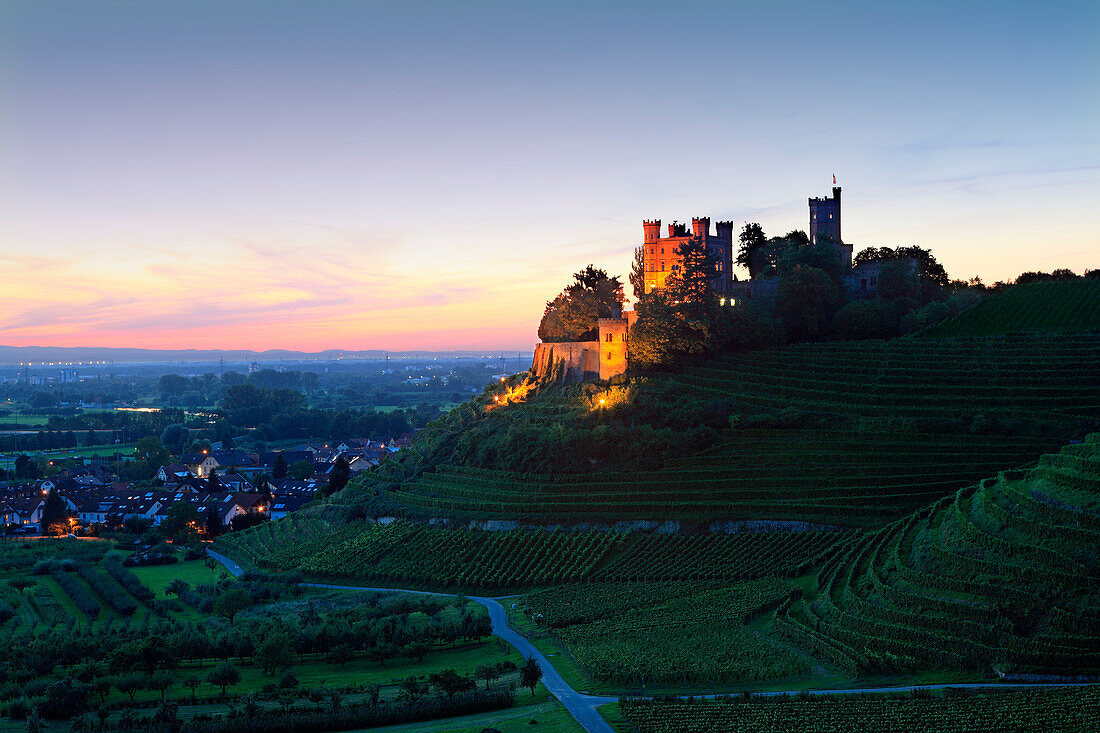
(581, 360)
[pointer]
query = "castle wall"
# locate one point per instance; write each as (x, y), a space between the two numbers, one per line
(581, 360)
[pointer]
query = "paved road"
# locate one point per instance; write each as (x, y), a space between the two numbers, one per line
(582, 706)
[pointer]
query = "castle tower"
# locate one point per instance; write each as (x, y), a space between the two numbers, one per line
(613, 337)
(825, 217)
(652, 228)
(825, 223)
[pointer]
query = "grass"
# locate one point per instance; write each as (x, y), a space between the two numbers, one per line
(569, 670)
(550, 717)
(194, 572)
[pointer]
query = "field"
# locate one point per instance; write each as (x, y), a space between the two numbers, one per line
(1073, 710)
(1049, 307)
(406, 554)
(1000, 576)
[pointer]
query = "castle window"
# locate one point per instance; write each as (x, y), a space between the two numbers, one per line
(610, 337)
(609, 356)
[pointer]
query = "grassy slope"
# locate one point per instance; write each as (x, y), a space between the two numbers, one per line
(1053, 307)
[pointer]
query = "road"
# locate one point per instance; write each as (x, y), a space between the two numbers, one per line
(583, 707)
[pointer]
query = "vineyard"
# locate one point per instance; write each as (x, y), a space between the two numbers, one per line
(414, 555)
(878, 429)
(999, 576)
(666, 633)
(1021, 377)
(834, 478)
(1060, 710)
(1045, 307)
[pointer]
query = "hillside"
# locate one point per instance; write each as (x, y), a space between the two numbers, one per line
(1043, 307)
(998, 576)
(850, 433)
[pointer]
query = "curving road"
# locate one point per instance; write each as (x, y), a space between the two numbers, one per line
(583, 707)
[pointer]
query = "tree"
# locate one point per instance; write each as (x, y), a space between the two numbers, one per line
(486, 672)
(179, 516)
(26, 468)
(666, 332)
(192, 683)
(339, 476)
(692, 282)
(301, 470)
(160, 682)
(750, 253)
(450, 682)
(231, 602)
(152, 452)
(224, 675)
(273, 654)
(130, 684)
(55, 511)
(175, 437)
(807, 299)
(172, 384)
(280, 469)
(413, 688)
(20, 584)
(572, 315)
(530, 674)
(340, 654)
(637, 273)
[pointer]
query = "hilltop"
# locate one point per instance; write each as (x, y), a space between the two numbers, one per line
(1041, 307)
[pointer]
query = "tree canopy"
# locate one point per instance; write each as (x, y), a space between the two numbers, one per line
(572, 315)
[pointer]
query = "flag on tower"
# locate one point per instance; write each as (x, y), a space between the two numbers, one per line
(834, 179)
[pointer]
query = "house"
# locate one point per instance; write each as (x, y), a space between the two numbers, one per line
(284, 487)
(284, 505)
(7, 514)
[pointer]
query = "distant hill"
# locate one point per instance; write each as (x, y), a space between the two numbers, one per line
(1000, 575)
(1045, 307)
(19, 354)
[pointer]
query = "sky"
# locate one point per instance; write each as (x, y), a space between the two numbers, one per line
(426, 175)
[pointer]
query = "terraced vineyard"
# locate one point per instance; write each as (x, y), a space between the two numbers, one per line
(1002, 575)
(843, 478)
(907, 421)
(1025, 377)
(1072, 710)
(409, 554)
(1049, 307)
(666, 633)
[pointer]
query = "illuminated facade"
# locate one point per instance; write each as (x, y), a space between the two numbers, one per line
(660, 253)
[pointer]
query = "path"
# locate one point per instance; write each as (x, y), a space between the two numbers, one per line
(583, 707)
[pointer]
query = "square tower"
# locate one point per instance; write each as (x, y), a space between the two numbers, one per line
(825, 224)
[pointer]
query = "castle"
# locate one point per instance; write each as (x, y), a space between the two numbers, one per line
(606, 357)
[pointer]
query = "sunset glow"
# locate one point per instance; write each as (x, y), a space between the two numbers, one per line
(423, 175)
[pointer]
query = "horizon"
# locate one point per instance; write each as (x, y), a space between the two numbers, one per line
(425, 177)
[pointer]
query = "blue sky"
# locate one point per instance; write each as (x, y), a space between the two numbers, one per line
(426, 175)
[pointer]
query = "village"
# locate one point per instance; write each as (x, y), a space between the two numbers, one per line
(224, 490)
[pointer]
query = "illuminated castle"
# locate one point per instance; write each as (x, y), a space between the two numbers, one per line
(661, 259)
